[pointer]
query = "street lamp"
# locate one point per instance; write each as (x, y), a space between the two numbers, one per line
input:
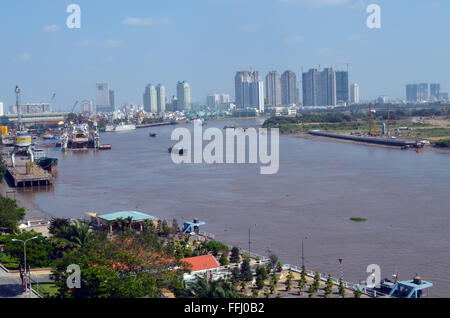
(25, 258)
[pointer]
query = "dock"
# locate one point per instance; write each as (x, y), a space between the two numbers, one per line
(153, 125)
(20, 176)
(370, 140)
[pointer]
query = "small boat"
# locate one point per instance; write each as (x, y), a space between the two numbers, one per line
(105, 147)
(153, 135)
(234, 126)
(125, 127)
(47, 136)
(180, 151)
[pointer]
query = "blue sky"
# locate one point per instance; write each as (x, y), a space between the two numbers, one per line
(132, 43)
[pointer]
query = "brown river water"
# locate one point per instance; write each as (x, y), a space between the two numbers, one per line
(404, 196)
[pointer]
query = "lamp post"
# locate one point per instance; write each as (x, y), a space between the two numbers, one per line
(25, 259)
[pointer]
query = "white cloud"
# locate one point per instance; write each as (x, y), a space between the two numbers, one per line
(326, 51)
(113, 43)
(51, 28)
(146, 21)
(107, 43)
(25, 57)
(292, 40)
(249, 27)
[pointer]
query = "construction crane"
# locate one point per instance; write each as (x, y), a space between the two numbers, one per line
(372, 125)
(389, 121)
(73, 107)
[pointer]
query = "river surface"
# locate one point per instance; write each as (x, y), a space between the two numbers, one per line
(404, 196)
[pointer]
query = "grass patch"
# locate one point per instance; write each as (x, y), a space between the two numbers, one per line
(9, 262)
(358, 219)
(46, 290)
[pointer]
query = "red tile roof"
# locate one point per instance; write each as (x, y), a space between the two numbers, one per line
(200, 263)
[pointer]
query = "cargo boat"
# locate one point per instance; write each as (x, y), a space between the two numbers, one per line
(41, 159)
(180, 122)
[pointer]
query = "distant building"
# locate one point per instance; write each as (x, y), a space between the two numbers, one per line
(417, 92)
(2, 111)
(354, 93)
(183, 96)
(161, 98)
(249, 90)
(213, 100)
(342, 93)
(289, 93)
(444, 96)
(104, 97)
(87, 107)
(273, 89)
(33, 108)
(150, 99)
(435, 92)
(319, 88)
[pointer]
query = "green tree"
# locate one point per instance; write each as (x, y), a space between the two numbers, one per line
(10, 215)
(204, 288)
(260, 282)
(273, 260)
(357, 293)
(312, 291)
(246, 272)
(235, 255)
(261, 271)
(272, 286)
(2, 168)
(317, 280)
(215, 247)
(301, 284)
(223, 260)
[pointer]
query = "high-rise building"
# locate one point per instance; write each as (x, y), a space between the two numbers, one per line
(111, 100)
(87, 107)
(319, 88)
(249, 90)
(183, 96)
(150, 99)
(161, 98)
(289, 93)
(411, 93)
(435, 92)
(2, 110)
(342, 87)
(354, 93)
(422, 92)
(273, 89)
(417, 92)
(213, 100)
(103, 97)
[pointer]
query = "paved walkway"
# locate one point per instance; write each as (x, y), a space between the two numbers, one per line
(11, 286)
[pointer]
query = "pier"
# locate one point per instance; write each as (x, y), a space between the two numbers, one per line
(23, 176)
(154, 125)
(371, 140)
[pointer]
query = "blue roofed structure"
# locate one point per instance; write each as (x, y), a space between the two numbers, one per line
(135, 215)
(192, 227)
(410, 289)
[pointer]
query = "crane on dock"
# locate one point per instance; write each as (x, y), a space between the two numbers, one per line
(372, 124)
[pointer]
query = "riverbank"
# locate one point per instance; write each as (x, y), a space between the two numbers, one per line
(32, 210)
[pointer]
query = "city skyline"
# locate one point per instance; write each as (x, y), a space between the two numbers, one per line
(101, 49)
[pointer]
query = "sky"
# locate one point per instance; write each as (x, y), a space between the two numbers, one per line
(136, 42)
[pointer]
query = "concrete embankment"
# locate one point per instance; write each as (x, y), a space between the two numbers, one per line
(370, 140)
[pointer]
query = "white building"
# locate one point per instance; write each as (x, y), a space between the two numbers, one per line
(87, 107)
(2, 111)
(183, 96)
(161, 98)
(354, 93)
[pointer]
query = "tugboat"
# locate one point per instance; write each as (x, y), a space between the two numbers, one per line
(41, 159)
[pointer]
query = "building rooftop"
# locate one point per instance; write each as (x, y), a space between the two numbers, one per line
(200, 263)
(137, 216)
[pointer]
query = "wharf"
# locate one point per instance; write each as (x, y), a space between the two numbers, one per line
(154, 125)
(370, 140)
(19, 177)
